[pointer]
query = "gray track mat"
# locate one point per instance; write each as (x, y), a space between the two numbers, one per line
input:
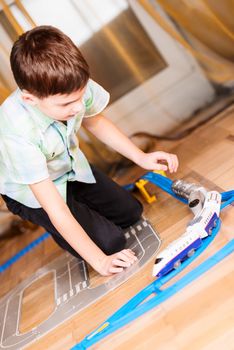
(72, 289)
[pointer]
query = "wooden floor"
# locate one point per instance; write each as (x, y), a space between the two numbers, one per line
(201, 316)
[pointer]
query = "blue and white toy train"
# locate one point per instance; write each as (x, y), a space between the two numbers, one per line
(200, 227)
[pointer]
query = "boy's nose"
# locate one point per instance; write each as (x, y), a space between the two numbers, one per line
(77, 107)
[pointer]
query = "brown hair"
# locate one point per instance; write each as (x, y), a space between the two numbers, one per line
(45, 62)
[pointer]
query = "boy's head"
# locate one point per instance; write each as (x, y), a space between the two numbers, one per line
(50, 70)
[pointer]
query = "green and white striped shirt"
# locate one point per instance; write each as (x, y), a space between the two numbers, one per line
(34, 147)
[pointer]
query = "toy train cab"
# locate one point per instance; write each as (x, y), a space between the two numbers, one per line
(179, 250)
(182, 248)
(207, 219)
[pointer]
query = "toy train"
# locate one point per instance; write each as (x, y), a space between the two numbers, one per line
(200, 227)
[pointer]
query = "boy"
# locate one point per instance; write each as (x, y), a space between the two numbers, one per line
(44, 177)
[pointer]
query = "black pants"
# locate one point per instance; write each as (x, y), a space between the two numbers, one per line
(103, 209)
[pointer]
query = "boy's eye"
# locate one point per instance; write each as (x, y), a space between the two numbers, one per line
(69, 103)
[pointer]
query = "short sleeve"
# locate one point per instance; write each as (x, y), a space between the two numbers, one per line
(95, 99)
(22, 161)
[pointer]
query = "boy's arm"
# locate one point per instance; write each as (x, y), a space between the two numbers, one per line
(108, 133)
(51, 201)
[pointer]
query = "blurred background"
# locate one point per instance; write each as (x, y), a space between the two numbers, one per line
(168, 64)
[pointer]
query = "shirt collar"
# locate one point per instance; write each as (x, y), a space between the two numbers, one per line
(43, 120)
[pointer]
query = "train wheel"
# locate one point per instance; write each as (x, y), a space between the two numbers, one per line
(191, 252)
(177, 264)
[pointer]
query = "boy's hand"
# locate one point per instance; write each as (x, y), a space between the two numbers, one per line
(154, 160)
(116, 263)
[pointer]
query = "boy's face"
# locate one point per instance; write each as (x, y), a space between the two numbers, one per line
(58, 107)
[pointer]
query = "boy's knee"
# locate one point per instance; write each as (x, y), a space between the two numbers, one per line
(138, 210)
(134, 213)
(116, 244)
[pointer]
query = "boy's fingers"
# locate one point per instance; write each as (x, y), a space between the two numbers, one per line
(165, 158)
(129, 253)
(130, 250)
(160, 158)
(176, 165)
(177, 162)
(172, 162)
(121, 263)
(115, 269)
(161, 167)
(126, 256)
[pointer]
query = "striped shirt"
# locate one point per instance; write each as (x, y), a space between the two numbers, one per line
(34, 147)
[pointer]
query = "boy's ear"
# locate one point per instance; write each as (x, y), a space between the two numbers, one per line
(29, 98)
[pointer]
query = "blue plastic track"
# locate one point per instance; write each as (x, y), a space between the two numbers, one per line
(161, 181)
(136, 306)
(165, 184)
(22, 252)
